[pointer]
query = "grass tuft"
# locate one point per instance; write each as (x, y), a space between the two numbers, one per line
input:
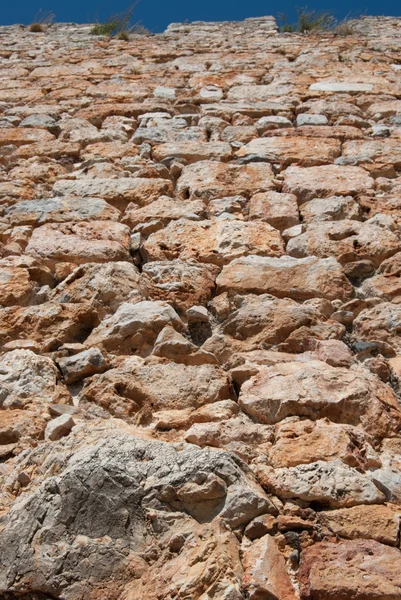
(123, 36)
(36, 28)
(119, 26)
(344, 28)
(315, 21)
(43, 20)
(108, 28)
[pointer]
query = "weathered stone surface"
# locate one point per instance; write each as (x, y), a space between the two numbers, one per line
(238, 434)
(168, 134)
(28, 379)
(380, 523)
(279, 210)
(382, 286)
(216, 242)
(239, 134)
(325, 181)
(208, 179)
(334, 353)
(103, 286)
(380, 323)
(311, 119)
(118, 478)
(174, 346)
(341, 86)
(200, 236)
(159, 385)
(197, 314)
(303, 442)
(264, 571)
(102, 241)
(285, 277)
(287, 150)
(159, 213)
(360, 569)
(133, 328)
(56, 210)
(316, 390)
(82, 365)
(20, 426)
(21, 279)
(335, 208)
(59, 427)
(22, 135)
(41, 121)
(119, 192)
(264, 319)
(347, 131)
(330, 484)
(347, 240)
(47, 326)
(374, 151)
(257, 92)
(183, 283)
(193, 151)
(388, 479)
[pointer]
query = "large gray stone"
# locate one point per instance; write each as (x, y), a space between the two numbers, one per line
(86, 532)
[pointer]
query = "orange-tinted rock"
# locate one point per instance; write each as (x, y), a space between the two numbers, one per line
(328, 180)
(265, 572)
(200, 242)
(383, 108)
(184, 284)
(303, 442)
(380, 523)
(262, 321)
(15, 425)
(193, 151)
(347, 240)
(330, 484)
(279, 210)
(286, 150)
(119, 192)
(56, 210)
(54, 149)
(209, 179)
(379, 324)
(285, 277)
(340, 132)
(48, 325)
(160, 385)
(358, 569)
(21, 136)
(98, 241)
(216, 242)
(159, 213)
(103, 286)
(334, 353)
(316, 390)
(20, 279)
(238, 434)
(382, 286)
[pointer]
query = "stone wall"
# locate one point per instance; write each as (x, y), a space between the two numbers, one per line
(200, 313)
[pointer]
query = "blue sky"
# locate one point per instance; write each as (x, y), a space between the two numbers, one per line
(157, 14)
